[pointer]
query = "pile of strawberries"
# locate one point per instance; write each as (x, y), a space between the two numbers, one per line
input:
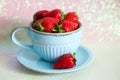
(55, 21)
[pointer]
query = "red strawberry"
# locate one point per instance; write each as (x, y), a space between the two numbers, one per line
(65, 26)
(39, 14)
(66, 61)
(46, 24)
(71, 16)
(68, 26)
(56, 13)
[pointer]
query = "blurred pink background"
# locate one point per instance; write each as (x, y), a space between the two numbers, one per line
(100, 18)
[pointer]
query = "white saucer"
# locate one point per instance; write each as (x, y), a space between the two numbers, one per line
(31, 60)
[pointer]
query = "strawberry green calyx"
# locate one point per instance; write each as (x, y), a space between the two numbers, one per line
(58, 29)
(40, 27)
(73, 55)
(63, 16)
(55, 30)
(61, 31)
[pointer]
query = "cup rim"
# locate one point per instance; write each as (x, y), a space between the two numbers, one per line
(55, 34)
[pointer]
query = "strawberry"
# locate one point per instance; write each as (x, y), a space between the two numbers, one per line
(39, 14)
(68, 26)
(71, 16)
(65, 26)
(46, 24)
(56, 13)
(65, 61)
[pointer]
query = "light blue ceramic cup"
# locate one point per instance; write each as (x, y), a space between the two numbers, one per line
(50, 46)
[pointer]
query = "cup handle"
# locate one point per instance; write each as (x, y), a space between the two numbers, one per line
(16, 41)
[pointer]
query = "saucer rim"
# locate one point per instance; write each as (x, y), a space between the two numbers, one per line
(79, 67)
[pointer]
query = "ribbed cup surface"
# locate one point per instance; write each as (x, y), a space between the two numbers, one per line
(52, 52)
(50, 47)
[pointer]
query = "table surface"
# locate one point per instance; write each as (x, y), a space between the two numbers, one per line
(105, 65)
